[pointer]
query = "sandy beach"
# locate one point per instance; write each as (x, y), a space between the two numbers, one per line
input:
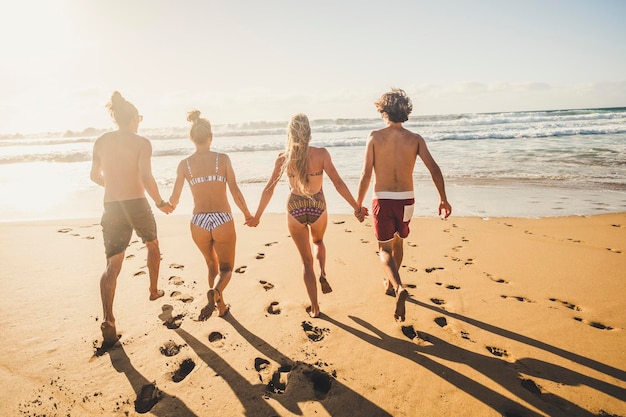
(506, 317)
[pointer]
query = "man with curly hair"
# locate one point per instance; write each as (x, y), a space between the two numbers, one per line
(390, 154)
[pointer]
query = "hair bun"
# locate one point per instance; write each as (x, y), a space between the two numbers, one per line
(193, 116)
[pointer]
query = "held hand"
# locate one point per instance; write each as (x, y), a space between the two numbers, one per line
(360, 214)
(167, 208)
(444, 209)
(252, 221)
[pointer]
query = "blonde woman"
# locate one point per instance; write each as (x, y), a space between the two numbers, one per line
(306, 207)
(212, 226)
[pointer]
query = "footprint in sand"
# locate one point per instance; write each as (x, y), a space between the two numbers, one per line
(498, 280)
(89, 237)
(185, 298)
(347, 230)
(266, 285)
(147, 398)
(410, 285)
(215, 337)
(465, 335)
(409, 268)
(496, 351)
(409, 331)
(518, 298)
(441, 321)
(453, 287)
(131, 256)
(531, 386)
(595, 324)
(614, 250)
(273, 308)
(176, 280)
(616, 225)
(365, 241)
(271, 243)
(177, 266)
(411, 244)
(170, 348)
(314, 333)
(241, 269)
(279, 381)
(339, 222)
(434, 268)
(184, 369)
(262, 366)
(322, 382)
(136, 274)
(260, 255)
(438, 301)
(566, 304)
(170, 321)
(64, 230)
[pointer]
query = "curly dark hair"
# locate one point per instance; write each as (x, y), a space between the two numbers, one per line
(396, 105)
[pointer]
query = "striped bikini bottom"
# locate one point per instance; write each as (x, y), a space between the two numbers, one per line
(209, 221)
(306, 209)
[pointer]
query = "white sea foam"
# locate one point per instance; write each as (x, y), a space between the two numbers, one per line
(582, 150)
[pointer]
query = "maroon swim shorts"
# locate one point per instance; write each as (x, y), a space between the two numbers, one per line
(392, 216)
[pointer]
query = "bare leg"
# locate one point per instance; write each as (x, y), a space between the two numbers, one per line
(317, 236)
(154, 262)
(386, 250)
(225, 240)
(300, 236)
(108, 282)
(397, 253)
(218, 249)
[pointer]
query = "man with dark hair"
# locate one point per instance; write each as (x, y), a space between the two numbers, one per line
(390, 154)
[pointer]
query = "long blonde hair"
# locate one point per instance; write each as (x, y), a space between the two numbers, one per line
(296, 152)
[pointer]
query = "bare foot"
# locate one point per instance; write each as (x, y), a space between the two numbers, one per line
(325, 285)
(222, 307)
(157, 295)
(313, 313)
(388, 288)
(208, 309)
(109, 335)
(400, 312)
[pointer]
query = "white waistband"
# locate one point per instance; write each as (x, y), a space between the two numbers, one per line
(393, 195)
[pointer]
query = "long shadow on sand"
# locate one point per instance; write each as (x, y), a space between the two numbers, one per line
(166, 406)
(251, 395)
(339, 394)
(590, 363)
(503, 373)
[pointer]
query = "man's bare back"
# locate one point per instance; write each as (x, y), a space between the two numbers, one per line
(395, 149)
(122, 156)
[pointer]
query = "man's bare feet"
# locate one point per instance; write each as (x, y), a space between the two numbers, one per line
(313, 313)
(208, 309)
(388, 288)
(109, 335)
(157, 295)
(222, 307)
(326, 288)
(400, 312)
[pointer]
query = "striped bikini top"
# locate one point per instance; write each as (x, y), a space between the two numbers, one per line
(198, 180)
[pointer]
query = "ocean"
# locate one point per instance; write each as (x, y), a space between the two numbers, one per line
(522, 164)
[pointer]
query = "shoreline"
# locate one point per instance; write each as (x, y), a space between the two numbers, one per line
(523, 200)
(505, 316)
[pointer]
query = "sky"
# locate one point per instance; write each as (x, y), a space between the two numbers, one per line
(241, 61)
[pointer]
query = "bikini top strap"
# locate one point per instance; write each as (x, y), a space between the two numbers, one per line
(189, 168)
